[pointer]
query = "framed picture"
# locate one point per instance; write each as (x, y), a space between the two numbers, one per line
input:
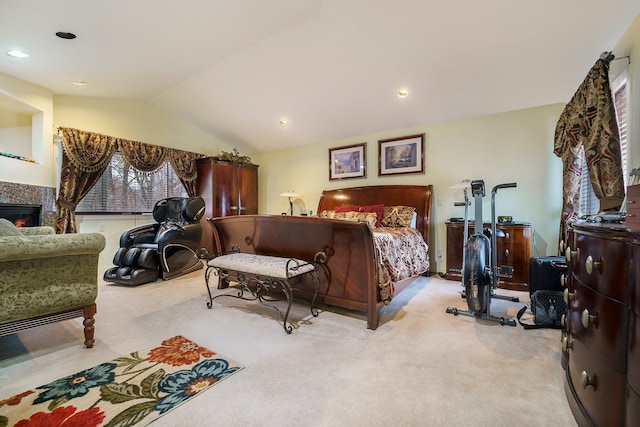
(401, 155)
(348, 162)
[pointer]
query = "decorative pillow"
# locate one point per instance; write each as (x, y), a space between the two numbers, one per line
(397, 216)
(368, 217)
(377, 209)
(347, 209)
(328, 214)
(349, 216)
(7, 228)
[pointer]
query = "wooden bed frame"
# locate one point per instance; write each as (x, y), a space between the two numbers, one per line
(348, 279)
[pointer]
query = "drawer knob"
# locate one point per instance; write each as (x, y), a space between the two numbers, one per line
(563, 319)
(590, 265)
(563, 280)
(569, 254)
(233, 208)
(506, 236)
(567, 344)
(588, 319)
(586, 380)
(569, 297)
(506, 252)
(561, 247)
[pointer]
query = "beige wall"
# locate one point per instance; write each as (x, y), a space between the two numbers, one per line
(510, 147)
(135, 120)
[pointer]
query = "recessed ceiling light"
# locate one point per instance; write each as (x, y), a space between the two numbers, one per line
(65, 35)
(17, 54)
(80, 83)
(403, 93)
(284, 123)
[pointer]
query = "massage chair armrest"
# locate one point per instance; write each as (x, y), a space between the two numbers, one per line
(145, 233)
(188, 235)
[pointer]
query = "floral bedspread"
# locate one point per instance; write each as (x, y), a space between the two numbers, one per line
(402, 253)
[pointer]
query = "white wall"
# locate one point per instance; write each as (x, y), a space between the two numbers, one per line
(16, 140)
(41, 101)
(510, 147)
(135, 120)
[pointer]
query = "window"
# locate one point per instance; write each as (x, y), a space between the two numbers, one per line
(124, 189)
(620, 89)
(589, 204)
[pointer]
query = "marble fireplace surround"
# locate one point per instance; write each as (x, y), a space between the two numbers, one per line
(15, 193)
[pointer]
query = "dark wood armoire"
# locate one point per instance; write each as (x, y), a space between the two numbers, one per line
(227, 188)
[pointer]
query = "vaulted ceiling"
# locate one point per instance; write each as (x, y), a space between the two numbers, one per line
(330, 68)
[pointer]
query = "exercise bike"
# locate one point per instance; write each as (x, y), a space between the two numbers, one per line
(480, 272)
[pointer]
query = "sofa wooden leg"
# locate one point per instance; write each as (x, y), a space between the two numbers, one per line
(88, 312)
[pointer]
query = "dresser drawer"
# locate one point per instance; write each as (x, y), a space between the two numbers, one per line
(634, 277)
(512, 253)
(605, 333)
(633, 356)
(604, 398)
(633, 408)
(513, 234)
(633, 206)
(609, 262)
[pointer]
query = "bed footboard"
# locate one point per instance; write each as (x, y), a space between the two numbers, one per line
(347, 278)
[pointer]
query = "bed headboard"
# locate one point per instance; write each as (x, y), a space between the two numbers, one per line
(418, 196)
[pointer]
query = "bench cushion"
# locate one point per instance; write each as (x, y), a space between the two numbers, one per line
(262, 265)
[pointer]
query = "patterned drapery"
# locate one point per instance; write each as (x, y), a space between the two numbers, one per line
(184, 163)
(589, 121)
(144, 157)
(86, 155)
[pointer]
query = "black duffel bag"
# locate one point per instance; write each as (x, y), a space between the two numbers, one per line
(547, 308)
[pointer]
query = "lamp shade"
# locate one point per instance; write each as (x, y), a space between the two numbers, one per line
(290, 194)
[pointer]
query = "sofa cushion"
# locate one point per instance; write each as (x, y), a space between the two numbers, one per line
(7, 228)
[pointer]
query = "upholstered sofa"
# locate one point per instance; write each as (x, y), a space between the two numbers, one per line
(47, 277)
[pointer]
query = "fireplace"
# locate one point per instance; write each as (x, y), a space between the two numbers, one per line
(21, 215)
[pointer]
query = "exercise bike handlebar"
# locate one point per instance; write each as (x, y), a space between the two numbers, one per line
(499, 186)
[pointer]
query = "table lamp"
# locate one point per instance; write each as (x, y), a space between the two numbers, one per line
(290, 194)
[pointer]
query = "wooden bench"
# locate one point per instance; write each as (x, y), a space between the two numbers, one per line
(258, 275)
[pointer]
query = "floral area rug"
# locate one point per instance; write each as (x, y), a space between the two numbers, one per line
(132, 390)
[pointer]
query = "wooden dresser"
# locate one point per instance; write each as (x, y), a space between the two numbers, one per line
(514, 249)
(601, 335)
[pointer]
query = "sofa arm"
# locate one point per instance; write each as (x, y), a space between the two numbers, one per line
(46, 245)
(32, 231)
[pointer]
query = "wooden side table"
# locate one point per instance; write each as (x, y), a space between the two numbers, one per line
(514, 250)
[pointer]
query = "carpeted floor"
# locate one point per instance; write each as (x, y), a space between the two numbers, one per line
(421, 367)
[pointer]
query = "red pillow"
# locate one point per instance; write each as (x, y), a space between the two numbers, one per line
(347, 208)
(377, 209)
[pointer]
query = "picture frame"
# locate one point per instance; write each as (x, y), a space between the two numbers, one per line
(403, 155)
(348, 162)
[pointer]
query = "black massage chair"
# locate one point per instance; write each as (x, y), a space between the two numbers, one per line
(162, 250)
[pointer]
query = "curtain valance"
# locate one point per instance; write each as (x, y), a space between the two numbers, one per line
(86, 155)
